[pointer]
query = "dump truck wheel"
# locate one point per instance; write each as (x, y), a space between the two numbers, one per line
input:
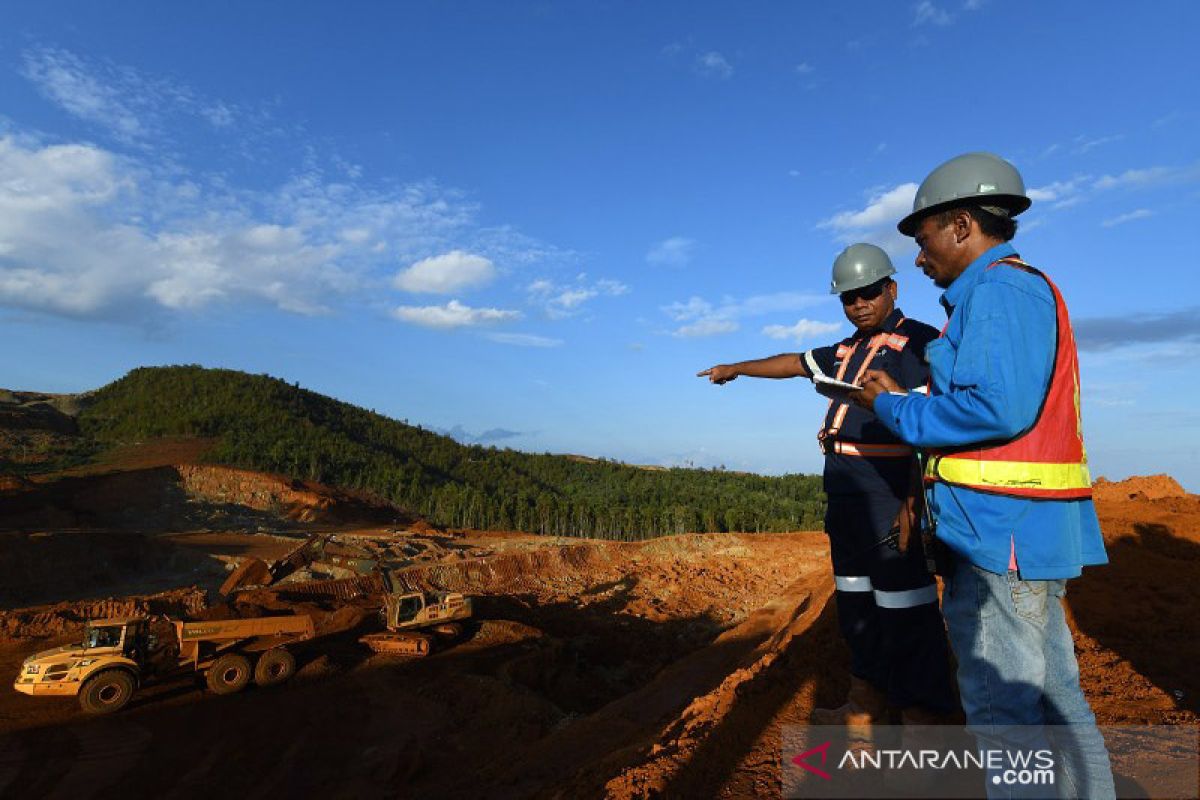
(274, 666)
(106, 692)
(228, 674)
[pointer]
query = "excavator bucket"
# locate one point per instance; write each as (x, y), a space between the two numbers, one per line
(399, 644)
(251, 572)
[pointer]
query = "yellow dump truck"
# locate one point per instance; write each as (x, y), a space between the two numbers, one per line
(118, 655)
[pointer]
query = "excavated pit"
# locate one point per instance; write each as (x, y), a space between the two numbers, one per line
(594, 669)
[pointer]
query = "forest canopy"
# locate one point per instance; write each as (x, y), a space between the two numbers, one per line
(266, 424)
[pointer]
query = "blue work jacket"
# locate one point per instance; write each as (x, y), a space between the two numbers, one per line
(990, 372)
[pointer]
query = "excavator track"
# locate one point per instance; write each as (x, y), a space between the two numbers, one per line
(416, 645)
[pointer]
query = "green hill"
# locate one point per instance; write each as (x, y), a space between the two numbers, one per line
(266, 424)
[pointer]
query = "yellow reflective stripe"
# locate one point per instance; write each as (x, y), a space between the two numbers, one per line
(1009, 474)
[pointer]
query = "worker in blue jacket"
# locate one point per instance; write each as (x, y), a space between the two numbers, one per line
(1010, 493)
(886, 598)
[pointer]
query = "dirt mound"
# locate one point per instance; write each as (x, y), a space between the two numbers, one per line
(288, 498)
(1149, 487)
(13, 483)
(63, 618)
(186, 497)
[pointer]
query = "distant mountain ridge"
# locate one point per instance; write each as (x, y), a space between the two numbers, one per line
(263, 423)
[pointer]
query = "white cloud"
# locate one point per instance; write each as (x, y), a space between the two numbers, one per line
(759, 304)
(804, 68)
(1141, 213)
(1150, 176)
(714, 65)
(803, 329)
(564, 300)
(87, 233)
(706, 327)
(1067, 193)
(694, 308)
(453, 315)
(673, 252)
(1057, 190)
(524, 340)
(702, 318)
(119, 100)
(925, 12)
(611, 288)
(129, 232)
(876, 222)
(883, 208)
(1084, 144)
(572, 298)
(445, 274)
(1167, 119)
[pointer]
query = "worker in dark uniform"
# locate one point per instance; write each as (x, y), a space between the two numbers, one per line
(887, 600)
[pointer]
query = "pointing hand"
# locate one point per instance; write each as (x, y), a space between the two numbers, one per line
(720, 374)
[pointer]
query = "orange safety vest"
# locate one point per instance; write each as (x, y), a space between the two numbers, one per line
(1048, 459)
(827, 436)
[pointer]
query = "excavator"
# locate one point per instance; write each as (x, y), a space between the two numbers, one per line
(415, 620)
(254, 572)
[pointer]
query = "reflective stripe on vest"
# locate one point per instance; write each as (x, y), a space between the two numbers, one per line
(846, 353)
(1048, 460)
(872, 450)
(1011, 477)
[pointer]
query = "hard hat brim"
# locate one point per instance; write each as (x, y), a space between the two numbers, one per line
(1015, 204)
(851, 285)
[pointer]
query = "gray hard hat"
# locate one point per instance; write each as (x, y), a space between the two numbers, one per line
(985, 178)
(859, 265)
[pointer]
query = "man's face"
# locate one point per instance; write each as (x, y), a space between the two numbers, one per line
(941, 255)
(868, 307)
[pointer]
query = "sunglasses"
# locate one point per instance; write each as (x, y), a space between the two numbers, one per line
(866, 293)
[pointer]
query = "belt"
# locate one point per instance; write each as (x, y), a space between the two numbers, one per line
(866, 450)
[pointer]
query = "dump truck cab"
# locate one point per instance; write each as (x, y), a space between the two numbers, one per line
(118, 643)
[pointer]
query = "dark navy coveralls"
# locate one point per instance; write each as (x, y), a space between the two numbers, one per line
(886, 600)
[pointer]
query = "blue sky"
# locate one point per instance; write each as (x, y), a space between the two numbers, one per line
(533, 223)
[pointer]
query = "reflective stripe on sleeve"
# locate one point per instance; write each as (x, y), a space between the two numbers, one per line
(846, 583)
(908, 598)
(811, 363)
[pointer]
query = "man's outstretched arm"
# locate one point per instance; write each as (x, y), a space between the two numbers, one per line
(784, 365)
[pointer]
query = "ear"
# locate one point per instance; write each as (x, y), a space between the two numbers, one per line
(893, 289)
(962, 223)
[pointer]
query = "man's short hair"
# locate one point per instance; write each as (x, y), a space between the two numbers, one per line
(995, 226)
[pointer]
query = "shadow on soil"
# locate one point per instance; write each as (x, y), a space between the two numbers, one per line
(1144, 606)
(356, 724)
(817, 656)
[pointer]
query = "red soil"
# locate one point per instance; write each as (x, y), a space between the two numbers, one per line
(595, 669)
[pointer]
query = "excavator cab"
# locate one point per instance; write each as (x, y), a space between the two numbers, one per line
(408, 607)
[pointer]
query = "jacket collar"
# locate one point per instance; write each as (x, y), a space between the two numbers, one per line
(965, 282)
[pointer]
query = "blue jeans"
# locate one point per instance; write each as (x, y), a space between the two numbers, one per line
(1017, 673)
